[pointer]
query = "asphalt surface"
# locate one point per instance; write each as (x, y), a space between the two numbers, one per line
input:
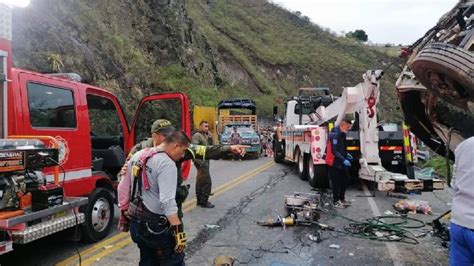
(254, 190)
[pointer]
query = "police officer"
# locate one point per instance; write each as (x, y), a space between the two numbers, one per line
(154, 223)
(203, 178)
(342, 162)
(159, 130)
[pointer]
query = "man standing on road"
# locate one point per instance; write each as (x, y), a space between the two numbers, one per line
(339, 170)
(160, 129)
(235, 139)
(154, 223)
(203, 178)
(462, 213)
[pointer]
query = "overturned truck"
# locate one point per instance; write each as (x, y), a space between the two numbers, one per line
(436, 87)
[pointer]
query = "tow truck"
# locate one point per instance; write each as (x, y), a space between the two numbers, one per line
(62, 142)
(302, 136)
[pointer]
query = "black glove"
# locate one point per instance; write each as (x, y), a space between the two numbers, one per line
(180, 237)
(182, 192)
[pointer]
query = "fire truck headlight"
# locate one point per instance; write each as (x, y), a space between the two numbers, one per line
(18, 3)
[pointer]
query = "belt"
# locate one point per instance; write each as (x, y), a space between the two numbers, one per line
(139, 212)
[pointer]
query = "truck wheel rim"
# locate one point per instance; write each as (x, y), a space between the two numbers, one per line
(100, 214)
(300, 163)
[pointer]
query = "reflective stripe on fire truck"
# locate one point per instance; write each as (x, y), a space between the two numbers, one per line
(72, 175)
(353, 148)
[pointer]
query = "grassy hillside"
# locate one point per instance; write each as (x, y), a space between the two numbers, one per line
(274, 51)
(210, 49)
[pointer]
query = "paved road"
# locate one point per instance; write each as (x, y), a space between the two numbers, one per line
(254, 190)
(61, 247)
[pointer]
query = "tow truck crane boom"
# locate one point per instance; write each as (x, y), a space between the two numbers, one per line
(305, 142)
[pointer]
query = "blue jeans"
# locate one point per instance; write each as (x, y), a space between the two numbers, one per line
(156, 251)
(462, 245)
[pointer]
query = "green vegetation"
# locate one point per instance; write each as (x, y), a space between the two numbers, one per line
(209, 49)
(439, 165)
(358, 35)
(281, 51)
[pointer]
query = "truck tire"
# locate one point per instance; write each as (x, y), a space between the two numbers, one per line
(447, 71)
(318, 175)
(278, 151)
(99, 214)
(301, 165)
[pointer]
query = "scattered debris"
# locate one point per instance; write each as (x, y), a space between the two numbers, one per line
(351, 254)
(303, 206)
(223, 260)
(388, 212)
(316, 237)
(413, 206)
(425, 173)
(212, 226)
(379, 234)
(334, 246)
(398, 196)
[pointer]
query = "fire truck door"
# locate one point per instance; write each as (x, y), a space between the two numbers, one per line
(54, 107)
(171, 106)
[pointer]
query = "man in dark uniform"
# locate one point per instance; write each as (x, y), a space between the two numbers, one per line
(203, 178)
(339, 169)
(160, 129)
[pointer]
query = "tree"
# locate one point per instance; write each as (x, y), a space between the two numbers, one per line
(359, 35)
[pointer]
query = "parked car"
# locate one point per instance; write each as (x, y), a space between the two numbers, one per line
(248, 137)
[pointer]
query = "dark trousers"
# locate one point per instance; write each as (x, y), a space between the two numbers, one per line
(151, 255)
(339, 180)
(203, 185)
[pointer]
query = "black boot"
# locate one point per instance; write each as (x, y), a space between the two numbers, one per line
(207, 205)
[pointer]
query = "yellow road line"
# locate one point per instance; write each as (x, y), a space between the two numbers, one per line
(106, 252)
(219, 190)
(124, 240)
(94, 248)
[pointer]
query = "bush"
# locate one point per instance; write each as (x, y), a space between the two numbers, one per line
(439, 165)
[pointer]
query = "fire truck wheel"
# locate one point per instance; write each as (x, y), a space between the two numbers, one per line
(301, 165)
(318, 176)
(99, 215)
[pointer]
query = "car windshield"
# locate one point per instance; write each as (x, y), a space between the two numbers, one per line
(240, 129)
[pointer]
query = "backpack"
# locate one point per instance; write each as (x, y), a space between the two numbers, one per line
(329, 153)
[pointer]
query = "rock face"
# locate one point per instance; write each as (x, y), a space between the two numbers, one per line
(120, 43)
(209, 49)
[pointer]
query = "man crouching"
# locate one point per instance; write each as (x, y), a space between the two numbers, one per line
(154, 223)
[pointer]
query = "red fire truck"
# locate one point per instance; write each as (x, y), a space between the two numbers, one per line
(62, 144)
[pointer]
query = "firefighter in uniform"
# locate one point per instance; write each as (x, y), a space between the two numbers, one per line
(203, 178)
(159, 130)
(154, 223)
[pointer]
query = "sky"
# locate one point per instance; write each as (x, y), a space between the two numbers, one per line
(384, 21)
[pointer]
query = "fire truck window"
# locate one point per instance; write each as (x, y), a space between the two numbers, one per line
(103, 116)
(51, 106)
(160, 109)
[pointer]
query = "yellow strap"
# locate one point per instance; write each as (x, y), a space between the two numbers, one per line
(201, 150)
